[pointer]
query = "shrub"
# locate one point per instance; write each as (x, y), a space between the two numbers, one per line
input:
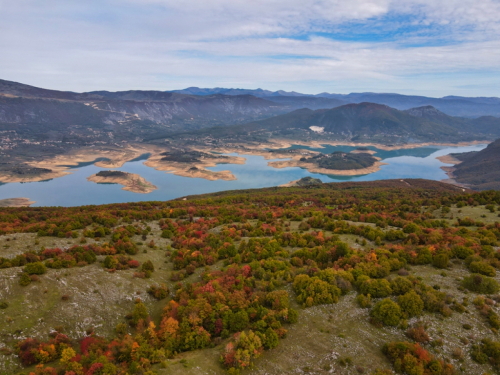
(386, 312)
(239, 321)
(412, 359)
(364, 301)
(277, 300)
(480, 284)
(462, 252)
(418, 334)
(241, 352)
(411, 304)
(482, 267)
(377, 288)
(401, 285)
(271, 339)
(25, 279)
(313, 291)
(148, 266)
(440, 260)
(36, 268)
(140, 313)
(158, 291)
(487, 350)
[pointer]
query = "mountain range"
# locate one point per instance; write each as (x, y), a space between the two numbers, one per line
(363, 122)
(451, 105)
(135, 115)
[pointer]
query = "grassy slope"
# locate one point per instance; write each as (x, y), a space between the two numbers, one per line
(100, 300)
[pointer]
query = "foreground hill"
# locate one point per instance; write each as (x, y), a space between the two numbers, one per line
(328, 278)
(481, 169)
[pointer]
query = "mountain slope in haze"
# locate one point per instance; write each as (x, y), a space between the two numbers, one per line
(451, 105)
(487, 125)
(364, 122)
(23, 104)
(293, 100)
(481, 169)
(219, 90)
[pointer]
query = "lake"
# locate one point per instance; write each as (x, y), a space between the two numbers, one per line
(75, 190)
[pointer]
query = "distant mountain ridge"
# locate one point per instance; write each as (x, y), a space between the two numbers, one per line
(451, 105)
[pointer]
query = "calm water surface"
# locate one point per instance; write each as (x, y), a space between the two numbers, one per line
(75, 190)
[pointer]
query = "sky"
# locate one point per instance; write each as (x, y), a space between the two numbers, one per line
(418, 47)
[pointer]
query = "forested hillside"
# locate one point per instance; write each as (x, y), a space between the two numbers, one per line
(376, 278)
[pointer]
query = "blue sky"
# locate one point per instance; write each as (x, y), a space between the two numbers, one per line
(418, 47)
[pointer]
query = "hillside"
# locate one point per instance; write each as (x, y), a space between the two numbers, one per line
(364, 122)
(153, 110)
(348, 277)
(480, 170)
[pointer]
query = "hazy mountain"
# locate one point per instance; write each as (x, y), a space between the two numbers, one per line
(218, 90)
(487, 125)
(24, 104)
(451, 105)
(481, 169)
(363, 122)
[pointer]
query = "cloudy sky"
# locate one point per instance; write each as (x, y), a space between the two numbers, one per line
(423, 47)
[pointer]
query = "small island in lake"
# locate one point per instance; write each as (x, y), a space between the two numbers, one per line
(341, 161)
(130, 181)
(338, 163)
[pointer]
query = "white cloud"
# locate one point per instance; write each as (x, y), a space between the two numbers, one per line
(444, 47)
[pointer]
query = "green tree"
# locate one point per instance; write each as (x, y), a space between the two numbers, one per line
(386, 312)
(140, 312)
(440, 260)
(271, 339)
(36, 268)
(411, 303)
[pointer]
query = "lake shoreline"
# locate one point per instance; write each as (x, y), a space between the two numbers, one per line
(16, 202)
(61, 165)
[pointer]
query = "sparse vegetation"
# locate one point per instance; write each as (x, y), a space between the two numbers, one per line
(251, 273)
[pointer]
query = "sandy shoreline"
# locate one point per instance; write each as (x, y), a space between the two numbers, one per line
(16, 202)
(314, 169)
(196, 169)
(318, 144)
(448, 159)
(60, 165)
(131, 182)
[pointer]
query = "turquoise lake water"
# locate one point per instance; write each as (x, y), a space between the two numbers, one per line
(75, 190)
